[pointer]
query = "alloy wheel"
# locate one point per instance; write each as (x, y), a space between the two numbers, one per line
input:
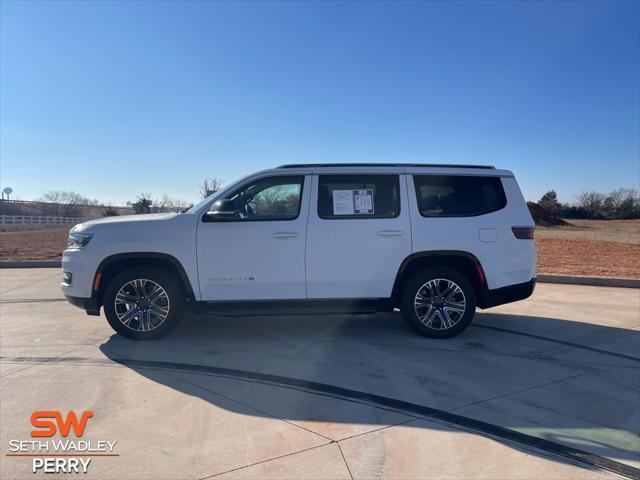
(142, 305)
(440, 304)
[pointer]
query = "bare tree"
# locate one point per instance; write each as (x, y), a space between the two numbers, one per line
(168, 204)
(622, 202)
(63, 203)
(145, 204)
(210, 186)
(592, 203)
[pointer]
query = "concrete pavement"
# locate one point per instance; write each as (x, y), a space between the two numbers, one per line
(563, 366)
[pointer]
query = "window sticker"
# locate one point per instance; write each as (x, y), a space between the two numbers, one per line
(363, 200)
(353, 202)
(343, 202)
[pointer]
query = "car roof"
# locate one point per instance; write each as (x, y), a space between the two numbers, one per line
(328, 165)
(410, 168)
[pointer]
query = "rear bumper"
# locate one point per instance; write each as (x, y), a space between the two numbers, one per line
(89, 305)
(508, 294)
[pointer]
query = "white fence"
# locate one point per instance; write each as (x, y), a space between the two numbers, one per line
(38, 220)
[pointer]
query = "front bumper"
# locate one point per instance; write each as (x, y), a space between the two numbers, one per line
(89, 305)
(508, 294)
(78, 270)
(82, 268)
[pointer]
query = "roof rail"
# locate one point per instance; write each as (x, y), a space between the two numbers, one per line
(442, 165)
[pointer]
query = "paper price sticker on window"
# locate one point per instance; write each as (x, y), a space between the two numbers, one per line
(363, 200)
(353, 202)
(343, 202)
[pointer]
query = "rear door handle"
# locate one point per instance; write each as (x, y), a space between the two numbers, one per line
(284, 234)
(390, 233)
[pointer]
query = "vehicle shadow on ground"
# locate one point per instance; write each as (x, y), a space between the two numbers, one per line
(579, 398)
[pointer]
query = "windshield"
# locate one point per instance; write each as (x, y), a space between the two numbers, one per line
(201, 203)
(198, 206)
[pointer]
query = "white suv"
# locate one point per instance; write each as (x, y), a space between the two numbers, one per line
(435, 241)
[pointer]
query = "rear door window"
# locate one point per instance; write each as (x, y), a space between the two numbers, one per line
(358, 196)
(458, 196)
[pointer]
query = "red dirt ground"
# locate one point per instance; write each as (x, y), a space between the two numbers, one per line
(592, 258)
(32, 242)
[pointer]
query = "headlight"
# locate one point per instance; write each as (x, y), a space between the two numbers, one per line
(78, 240)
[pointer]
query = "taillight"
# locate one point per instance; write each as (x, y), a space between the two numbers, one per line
(523, 233)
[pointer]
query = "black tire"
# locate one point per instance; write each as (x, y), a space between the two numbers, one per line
(445, 321)
(173, 290)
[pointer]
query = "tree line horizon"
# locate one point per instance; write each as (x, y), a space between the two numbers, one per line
(619, 204)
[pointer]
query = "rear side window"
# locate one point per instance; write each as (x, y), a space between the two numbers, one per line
(358, 196)
(458, 196)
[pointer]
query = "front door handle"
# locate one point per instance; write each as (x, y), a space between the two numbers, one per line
(284, 234)
(390, 233)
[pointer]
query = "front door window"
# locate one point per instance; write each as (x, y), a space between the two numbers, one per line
(273, 198)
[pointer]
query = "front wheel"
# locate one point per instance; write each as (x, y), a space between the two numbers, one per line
(438, 302)
(143, 303)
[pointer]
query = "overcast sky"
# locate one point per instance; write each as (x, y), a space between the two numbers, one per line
(116, 98)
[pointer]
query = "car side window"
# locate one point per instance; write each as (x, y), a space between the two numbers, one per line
(273, 198)
(458, 195)
(356, 196)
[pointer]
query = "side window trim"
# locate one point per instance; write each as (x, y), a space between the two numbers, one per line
(305, 178)
(456, 215)
(397, 176)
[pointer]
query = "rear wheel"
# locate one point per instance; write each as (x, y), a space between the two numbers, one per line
(143, 303)
(438, 302)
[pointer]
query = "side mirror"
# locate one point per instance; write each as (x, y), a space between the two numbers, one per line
(221, 210)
